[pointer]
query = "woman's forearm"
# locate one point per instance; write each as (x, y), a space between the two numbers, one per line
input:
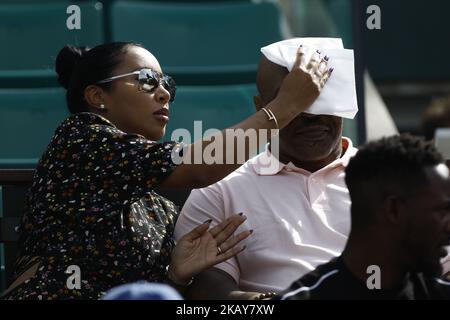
(233, 146)
(201, 166)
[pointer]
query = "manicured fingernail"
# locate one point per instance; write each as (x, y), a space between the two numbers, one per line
(326, 58)
(318, 51)
(301, 46)
(243, 248)
(331, 70)
(207, 221)
(251, 231)
(241, 213)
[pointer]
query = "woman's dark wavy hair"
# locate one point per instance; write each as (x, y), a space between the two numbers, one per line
(79, 67)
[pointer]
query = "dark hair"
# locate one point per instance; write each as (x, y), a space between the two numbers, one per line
(80, 67)
(436, 115)
(392, 166)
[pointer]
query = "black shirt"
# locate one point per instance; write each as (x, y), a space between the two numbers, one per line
(334, 281)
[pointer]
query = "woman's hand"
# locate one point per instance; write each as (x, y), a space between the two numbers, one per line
(302, 86)
(201, 248)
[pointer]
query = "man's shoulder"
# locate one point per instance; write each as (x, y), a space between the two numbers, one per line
(245, 173)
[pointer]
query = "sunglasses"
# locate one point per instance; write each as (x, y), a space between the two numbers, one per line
(149, 80)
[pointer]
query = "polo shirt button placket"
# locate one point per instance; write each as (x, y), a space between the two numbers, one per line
(311, 181)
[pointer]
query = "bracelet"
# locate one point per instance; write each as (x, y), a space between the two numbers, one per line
(271, 116)
(169, 273)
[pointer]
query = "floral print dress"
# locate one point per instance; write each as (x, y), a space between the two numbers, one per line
(92, 205)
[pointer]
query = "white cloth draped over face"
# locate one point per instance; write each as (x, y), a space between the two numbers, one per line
(338, 97)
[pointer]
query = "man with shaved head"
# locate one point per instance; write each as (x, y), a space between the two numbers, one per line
(299, 208)
(310, 141)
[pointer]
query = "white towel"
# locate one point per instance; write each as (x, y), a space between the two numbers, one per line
(338, 97)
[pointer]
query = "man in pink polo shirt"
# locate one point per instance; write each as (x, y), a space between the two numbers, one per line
(299, 209)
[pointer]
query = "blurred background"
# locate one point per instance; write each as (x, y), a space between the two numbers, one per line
(211, 48)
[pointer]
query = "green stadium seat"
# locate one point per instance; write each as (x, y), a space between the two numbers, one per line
(33, 1)
(32, 36)
(202, 44)
(28, 118)
(18, 163)
(411, 44)
(218, 107)
(171, 1)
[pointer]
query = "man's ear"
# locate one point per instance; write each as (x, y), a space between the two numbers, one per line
(394, 210)
(95, 97)
(257, 100)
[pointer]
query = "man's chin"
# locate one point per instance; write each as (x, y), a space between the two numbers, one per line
(312, 151)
